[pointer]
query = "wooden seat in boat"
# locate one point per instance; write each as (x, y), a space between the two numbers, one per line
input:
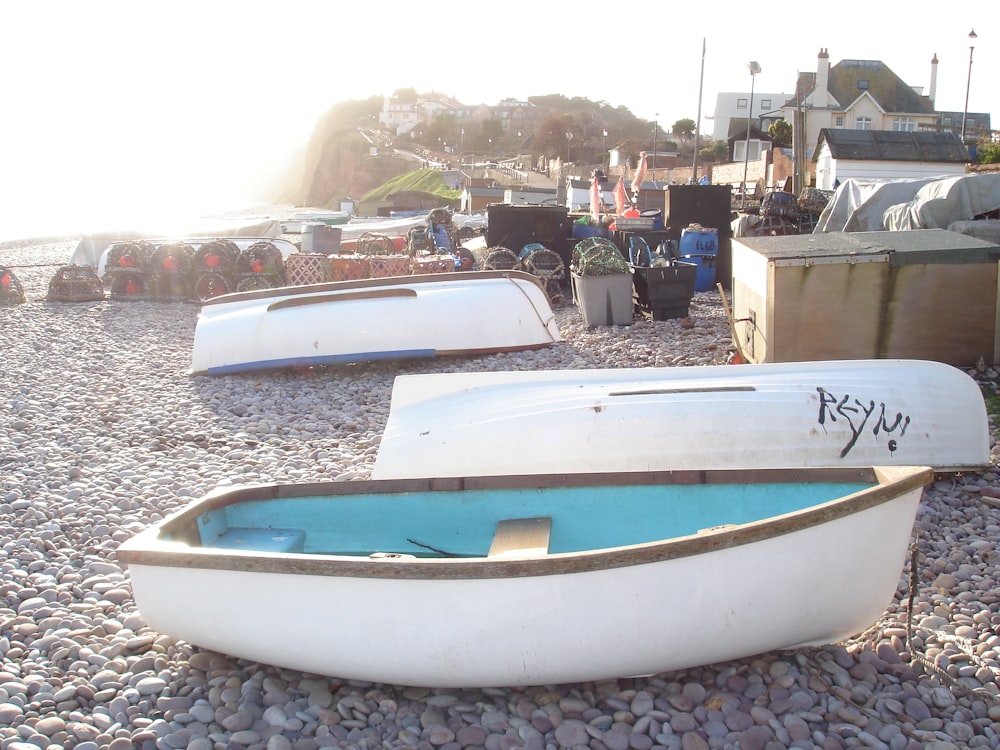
(521, 537)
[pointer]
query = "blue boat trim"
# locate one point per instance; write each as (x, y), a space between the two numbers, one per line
(326, 359)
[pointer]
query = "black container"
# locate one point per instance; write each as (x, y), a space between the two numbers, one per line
(664, 292)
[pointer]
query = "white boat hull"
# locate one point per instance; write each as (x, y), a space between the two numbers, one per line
(845, 413)
(722, 594)
(357, 321)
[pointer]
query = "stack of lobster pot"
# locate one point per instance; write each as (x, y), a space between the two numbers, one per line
(214, 269)
(170, 272)
(260, 266)
(126, 275)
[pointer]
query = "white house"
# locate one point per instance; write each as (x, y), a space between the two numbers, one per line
(730, 107)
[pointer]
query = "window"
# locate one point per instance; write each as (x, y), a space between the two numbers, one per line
(862, 123)
(838, 121)
(741, 104)
(904, 124)
(948, 120)
(862, 85)
(765, 103)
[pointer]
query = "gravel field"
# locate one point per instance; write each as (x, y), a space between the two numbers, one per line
(103, 432)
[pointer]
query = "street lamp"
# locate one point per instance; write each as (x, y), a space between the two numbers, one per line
(754, 70)
(968, 81)
(652, 165)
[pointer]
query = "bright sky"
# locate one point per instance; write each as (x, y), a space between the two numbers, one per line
(114, 111)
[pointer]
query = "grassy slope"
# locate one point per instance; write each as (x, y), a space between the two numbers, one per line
(424, 180)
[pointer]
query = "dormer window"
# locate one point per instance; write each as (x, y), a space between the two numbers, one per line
(862, 85)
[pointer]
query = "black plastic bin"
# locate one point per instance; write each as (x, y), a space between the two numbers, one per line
(663, 292)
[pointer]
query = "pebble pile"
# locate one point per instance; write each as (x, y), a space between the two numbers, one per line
(103, 432)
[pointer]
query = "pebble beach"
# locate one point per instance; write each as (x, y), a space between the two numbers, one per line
(103, 432)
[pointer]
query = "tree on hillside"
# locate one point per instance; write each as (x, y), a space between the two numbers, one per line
(683, 129)
(551, 136)
(406, 96)
(781, 133)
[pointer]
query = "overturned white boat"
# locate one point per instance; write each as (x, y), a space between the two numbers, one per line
(804, 414)
(387, 318)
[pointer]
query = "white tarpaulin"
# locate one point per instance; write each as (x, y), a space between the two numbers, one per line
(922, 203)
(90, 248)
(943, 202)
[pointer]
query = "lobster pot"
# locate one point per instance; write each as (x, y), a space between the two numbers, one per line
(11, 291)
(434, 264)
(779, 204)
(261, 258)
(348, 267)
(172, 257)
(217, 256)
(169, 286)
(384, 266)
(208, 284)
(129, 255)
(501, 259)
(373, 243)
(302, 269)
(251, 282)
(75, 284)
(125, 285)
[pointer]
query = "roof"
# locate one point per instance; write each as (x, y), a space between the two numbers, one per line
(850, 79)
(892, 145)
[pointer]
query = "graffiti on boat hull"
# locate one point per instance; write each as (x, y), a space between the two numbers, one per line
(861, 417)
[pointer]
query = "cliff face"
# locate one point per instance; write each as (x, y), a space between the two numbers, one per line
(340, 169)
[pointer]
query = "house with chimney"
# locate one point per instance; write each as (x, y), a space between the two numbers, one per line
(865, 95)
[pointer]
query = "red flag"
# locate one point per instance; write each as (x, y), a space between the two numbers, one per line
(595, 200)
(620, 198)
(640, 174)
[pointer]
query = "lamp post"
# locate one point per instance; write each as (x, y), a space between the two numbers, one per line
(754, 70)
(652, 164)
(968, 81)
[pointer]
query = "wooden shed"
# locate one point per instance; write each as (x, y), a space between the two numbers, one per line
(920, 294)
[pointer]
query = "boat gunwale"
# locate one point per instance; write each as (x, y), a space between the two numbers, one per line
(147, 548)
(339, 286)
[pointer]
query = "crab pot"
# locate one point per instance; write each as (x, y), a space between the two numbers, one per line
(128, 286)
(11, 291)
(211, 284)
(665, 292)
(169, 286)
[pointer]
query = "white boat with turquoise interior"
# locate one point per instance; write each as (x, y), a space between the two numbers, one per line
(528, 580)
(842, 413)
